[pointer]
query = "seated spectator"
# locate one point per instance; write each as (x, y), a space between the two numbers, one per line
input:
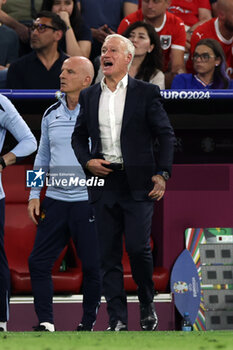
(147, 61)
(18, 15)
(193, 13)
(23, 11)
(9, 49)
(103, 17)
(77, 40)
(214, 7)
(209, 64)
(41, 68)
(220, 29)
(170, 29)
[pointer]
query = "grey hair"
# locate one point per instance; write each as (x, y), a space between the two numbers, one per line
(129, 45)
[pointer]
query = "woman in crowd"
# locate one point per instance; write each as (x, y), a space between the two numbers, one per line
(77, 41)
(209, 65)
(147, 62)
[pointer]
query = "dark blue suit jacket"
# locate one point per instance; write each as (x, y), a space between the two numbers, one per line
(144, 121)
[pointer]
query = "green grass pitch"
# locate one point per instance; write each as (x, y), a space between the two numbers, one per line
(209, 340)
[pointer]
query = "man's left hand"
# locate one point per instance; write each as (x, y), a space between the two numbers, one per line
(159, 187)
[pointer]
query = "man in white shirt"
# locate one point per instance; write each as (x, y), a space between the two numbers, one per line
(123, 116)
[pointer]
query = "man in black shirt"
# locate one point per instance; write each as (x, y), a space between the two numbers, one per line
(41, 68)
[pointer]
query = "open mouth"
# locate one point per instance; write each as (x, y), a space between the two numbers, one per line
(108, 64)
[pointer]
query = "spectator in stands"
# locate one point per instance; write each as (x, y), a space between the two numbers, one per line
(9, 49)
(214, 7)
(77, 40)
(193, 13)
(23, 11)
(103, 17)
(65, 211)
(220, 29)
(11, 121)
(18, 15)
(209, 64)
(147, 61)
(170, 29)
(40, 69)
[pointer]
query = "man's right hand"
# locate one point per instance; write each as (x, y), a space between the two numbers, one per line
(34, 209)
(100, 33)
(96, 167)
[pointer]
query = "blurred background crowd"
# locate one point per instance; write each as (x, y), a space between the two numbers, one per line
(178, 43)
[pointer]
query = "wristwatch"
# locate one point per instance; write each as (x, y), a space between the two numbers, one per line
(164, 174)
(2, 162)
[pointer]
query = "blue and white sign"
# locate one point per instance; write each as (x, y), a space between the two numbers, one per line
(35, 178)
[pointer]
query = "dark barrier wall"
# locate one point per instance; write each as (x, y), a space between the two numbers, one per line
(202, 119)
(200, 192)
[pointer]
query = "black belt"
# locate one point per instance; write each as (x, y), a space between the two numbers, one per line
(115, 166)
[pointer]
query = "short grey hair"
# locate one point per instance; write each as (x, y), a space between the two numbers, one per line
(129, 45)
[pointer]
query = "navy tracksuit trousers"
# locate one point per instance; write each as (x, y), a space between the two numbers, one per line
(4, 270)
(59, 221)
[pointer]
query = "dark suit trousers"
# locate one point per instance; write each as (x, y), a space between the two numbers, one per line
(117, 213)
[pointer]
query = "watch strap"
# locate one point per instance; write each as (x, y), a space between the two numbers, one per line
(164, 174)
(2, 162)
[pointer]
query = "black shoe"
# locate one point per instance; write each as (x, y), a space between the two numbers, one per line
(81, 328)
(148, 319)
(2, 329)
(40, 328)
(117, 327)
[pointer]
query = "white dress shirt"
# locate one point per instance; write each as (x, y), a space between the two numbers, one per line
(111, 109)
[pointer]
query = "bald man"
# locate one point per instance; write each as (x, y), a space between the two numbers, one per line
(65, 211)
(220, 29)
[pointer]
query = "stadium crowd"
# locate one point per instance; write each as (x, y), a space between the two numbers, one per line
(179, 25)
